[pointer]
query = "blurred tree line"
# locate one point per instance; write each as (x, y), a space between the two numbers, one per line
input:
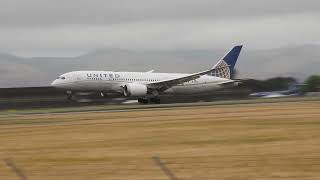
(312, 84)
(272, 84)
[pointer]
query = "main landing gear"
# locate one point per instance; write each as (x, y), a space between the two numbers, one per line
(154, 100)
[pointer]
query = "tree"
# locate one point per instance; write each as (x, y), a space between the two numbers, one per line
(312, 84)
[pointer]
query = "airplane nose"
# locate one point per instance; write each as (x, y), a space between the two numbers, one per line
(54, 83)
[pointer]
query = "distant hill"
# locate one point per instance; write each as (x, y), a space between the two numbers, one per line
(298, 62)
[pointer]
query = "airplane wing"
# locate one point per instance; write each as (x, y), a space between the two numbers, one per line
(163, 85)
(223, 69)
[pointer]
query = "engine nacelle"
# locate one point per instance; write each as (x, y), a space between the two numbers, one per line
(134, 90)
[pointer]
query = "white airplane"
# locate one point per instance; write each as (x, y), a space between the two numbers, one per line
(147, 86)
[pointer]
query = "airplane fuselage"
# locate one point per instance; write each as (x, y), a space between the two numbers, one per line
(109, 81)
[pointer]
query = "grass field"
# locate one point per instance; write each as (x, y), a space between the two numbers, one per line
(251, 141)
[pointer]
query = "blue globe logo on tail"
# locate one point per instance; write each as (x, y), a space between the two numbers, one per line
(225, 67)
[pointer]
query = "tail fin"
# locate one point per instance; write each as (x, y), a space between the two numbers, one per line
(225, 67)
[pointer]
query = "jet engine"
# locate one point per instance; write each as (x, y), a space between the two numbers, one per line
(134, 90)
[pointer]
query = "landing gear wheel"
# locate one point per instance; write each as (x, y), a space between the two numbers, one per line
(155, 100)
(69, 95)
(149, 100)
(143, 101)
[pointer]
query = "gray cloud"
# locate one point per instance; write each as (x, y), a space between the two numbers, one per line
(72, 27)
(255, 33)
(48, 12)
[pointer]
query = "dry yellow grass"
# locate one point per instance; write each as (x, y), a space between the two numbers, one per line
(258, 141)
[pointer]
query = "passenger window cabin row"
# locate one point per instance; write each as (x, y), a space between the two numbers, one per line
(124, 79)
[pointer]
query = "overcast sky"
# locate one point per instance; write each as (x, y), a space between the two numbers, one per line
(73, 27)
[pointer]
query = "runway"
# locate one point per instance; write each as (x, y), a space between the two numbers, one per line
(248, 140)
(140, 107)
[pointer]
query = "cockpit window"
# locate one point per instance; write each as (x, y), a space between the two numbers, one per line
(61, 77)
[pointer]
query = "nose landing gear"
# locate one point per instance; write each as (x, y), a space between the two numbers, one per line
(69, 95)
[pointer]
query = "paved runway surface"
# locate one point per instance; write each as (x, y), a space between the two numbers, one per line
(242, 141)
(136, 106)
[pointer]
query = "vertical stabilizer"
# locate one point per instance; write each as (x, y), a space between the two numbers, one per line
(225, 67)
